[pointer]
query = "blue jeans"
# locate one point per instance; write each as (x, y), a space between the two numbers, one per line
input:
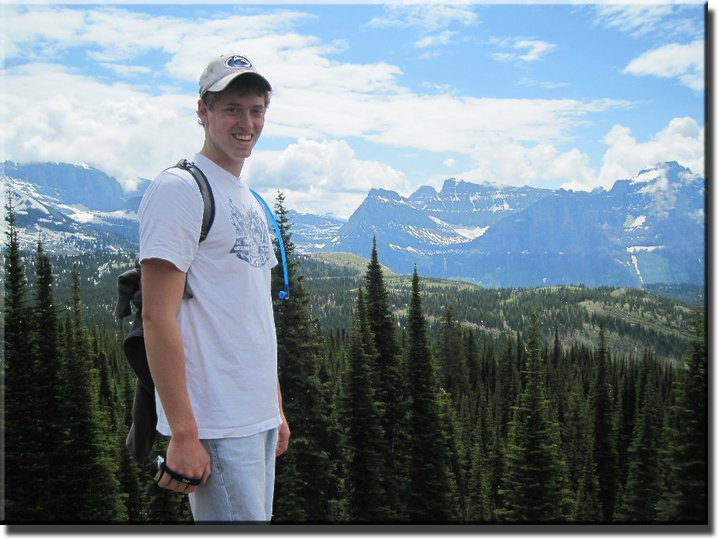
(241, 486)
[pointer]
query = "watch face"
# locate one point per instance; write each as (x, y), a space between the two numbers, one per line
(158, 467)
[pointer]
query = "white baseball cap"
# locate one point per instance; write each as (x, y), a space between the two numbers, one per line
(223, 70)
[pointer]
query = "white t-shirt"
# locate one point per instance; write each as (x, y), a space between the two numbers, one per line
(228, 331)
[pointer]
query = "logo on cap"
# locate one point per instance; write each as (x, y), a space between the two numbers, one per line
(237, 62)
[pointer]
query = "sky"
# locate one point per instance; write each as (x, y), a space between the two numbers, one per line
(391, 96)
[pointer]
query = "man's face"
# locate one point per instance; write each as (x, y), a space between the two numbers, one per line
(232, 127)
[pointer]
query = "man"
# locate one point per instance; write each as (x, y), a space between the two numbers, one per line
(213, 357)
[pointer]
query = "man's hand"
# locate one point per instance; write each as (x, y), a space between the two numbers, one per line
(284, 433)
(189, 458)
(283, 437)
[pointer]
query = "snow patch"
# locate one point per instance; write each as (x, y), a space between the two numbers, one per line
(472, 233)
(80, 214)
(400, 248)
(635, 266)
(645, 248)
(500, 207)
(649, 175)
(634, 222)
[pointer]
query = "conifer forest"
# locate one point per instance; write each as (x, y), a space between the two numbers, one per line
(410, 400)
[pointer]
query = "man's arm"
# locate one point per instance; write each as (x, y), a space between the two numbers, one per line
(162, 290)
(284, 433)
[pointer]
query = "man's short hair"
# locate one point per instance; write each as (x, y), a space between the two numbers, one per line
(247, 84)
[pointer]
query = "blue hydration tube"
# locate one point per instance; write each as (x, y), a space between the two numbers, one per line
(283, 294)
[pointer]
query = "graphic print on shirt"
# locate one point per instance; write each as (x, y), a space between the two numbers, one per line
(252, 244)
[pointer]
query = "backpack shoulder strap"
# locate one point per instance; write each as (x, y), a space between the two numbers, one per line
(205, 190)
(208, 217)
(283, 294)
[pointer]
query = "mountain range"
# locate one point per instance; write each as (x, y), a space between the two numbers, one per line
(644, 230)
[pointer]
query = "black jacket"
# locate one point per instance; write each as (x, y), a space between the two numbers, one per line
(144, 415)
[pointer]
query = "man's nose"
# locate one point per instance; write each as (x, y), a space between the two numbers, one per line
(244, 119)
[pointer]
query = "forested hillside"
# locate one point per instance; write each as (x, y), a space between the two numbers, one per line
(631, 318)
(410, 400)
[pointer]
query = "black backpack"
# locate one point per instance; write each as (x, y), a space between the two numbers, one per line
(143, 430)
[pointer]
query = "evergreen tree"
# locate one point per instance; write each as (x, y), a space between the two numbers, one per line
(89, 473)
(452, 356)
(577, 430)
(478, 505)
(454, 456)
(107, 391)
(534, 486)
(132, 478)
(472, 359)
(585, 389)
(627, 397)
(686, 495)
(20, 413)
(391, 389)
(507, 388)
(605, 456)
(557, 387)
(131, 486)
(367, 498)
(642, 490)
(306, 401)
(429, 494)
(47, 381)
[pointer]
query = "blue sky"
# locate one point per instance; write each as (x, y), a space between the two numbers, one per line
(388, 95)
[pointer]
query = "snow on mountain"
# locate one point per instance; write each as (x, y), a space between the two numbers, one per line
(394, 219)
(646, 229)
(311, 233)
(72, 207)
(469, 205)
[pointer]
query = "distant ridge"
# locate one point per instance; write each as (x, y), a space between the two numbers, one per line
(645, 230)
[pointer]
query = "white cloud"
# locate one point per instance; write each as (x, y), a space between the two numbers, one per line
(443, 38)
(663, 20)
(636, 19)
(664, 198)
(450, 123)
(508, 161)
(503, 56)
(440, 88)
(53, 114)
(315, 97)
(535, 48)
(683, 61)
(126, 70)
(23, 27)
(450, 162)
(427, 17)
(546, 84)
(117, 35)
(58, 114)
(431, 20)
(513, 162)
(682, 140)
(322, 176)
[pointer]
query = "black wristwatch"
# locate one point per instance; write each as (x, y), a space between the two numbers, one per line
(160, 468)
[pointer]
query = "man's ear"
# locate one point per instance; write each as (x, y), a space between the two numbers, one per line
(202, 116)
